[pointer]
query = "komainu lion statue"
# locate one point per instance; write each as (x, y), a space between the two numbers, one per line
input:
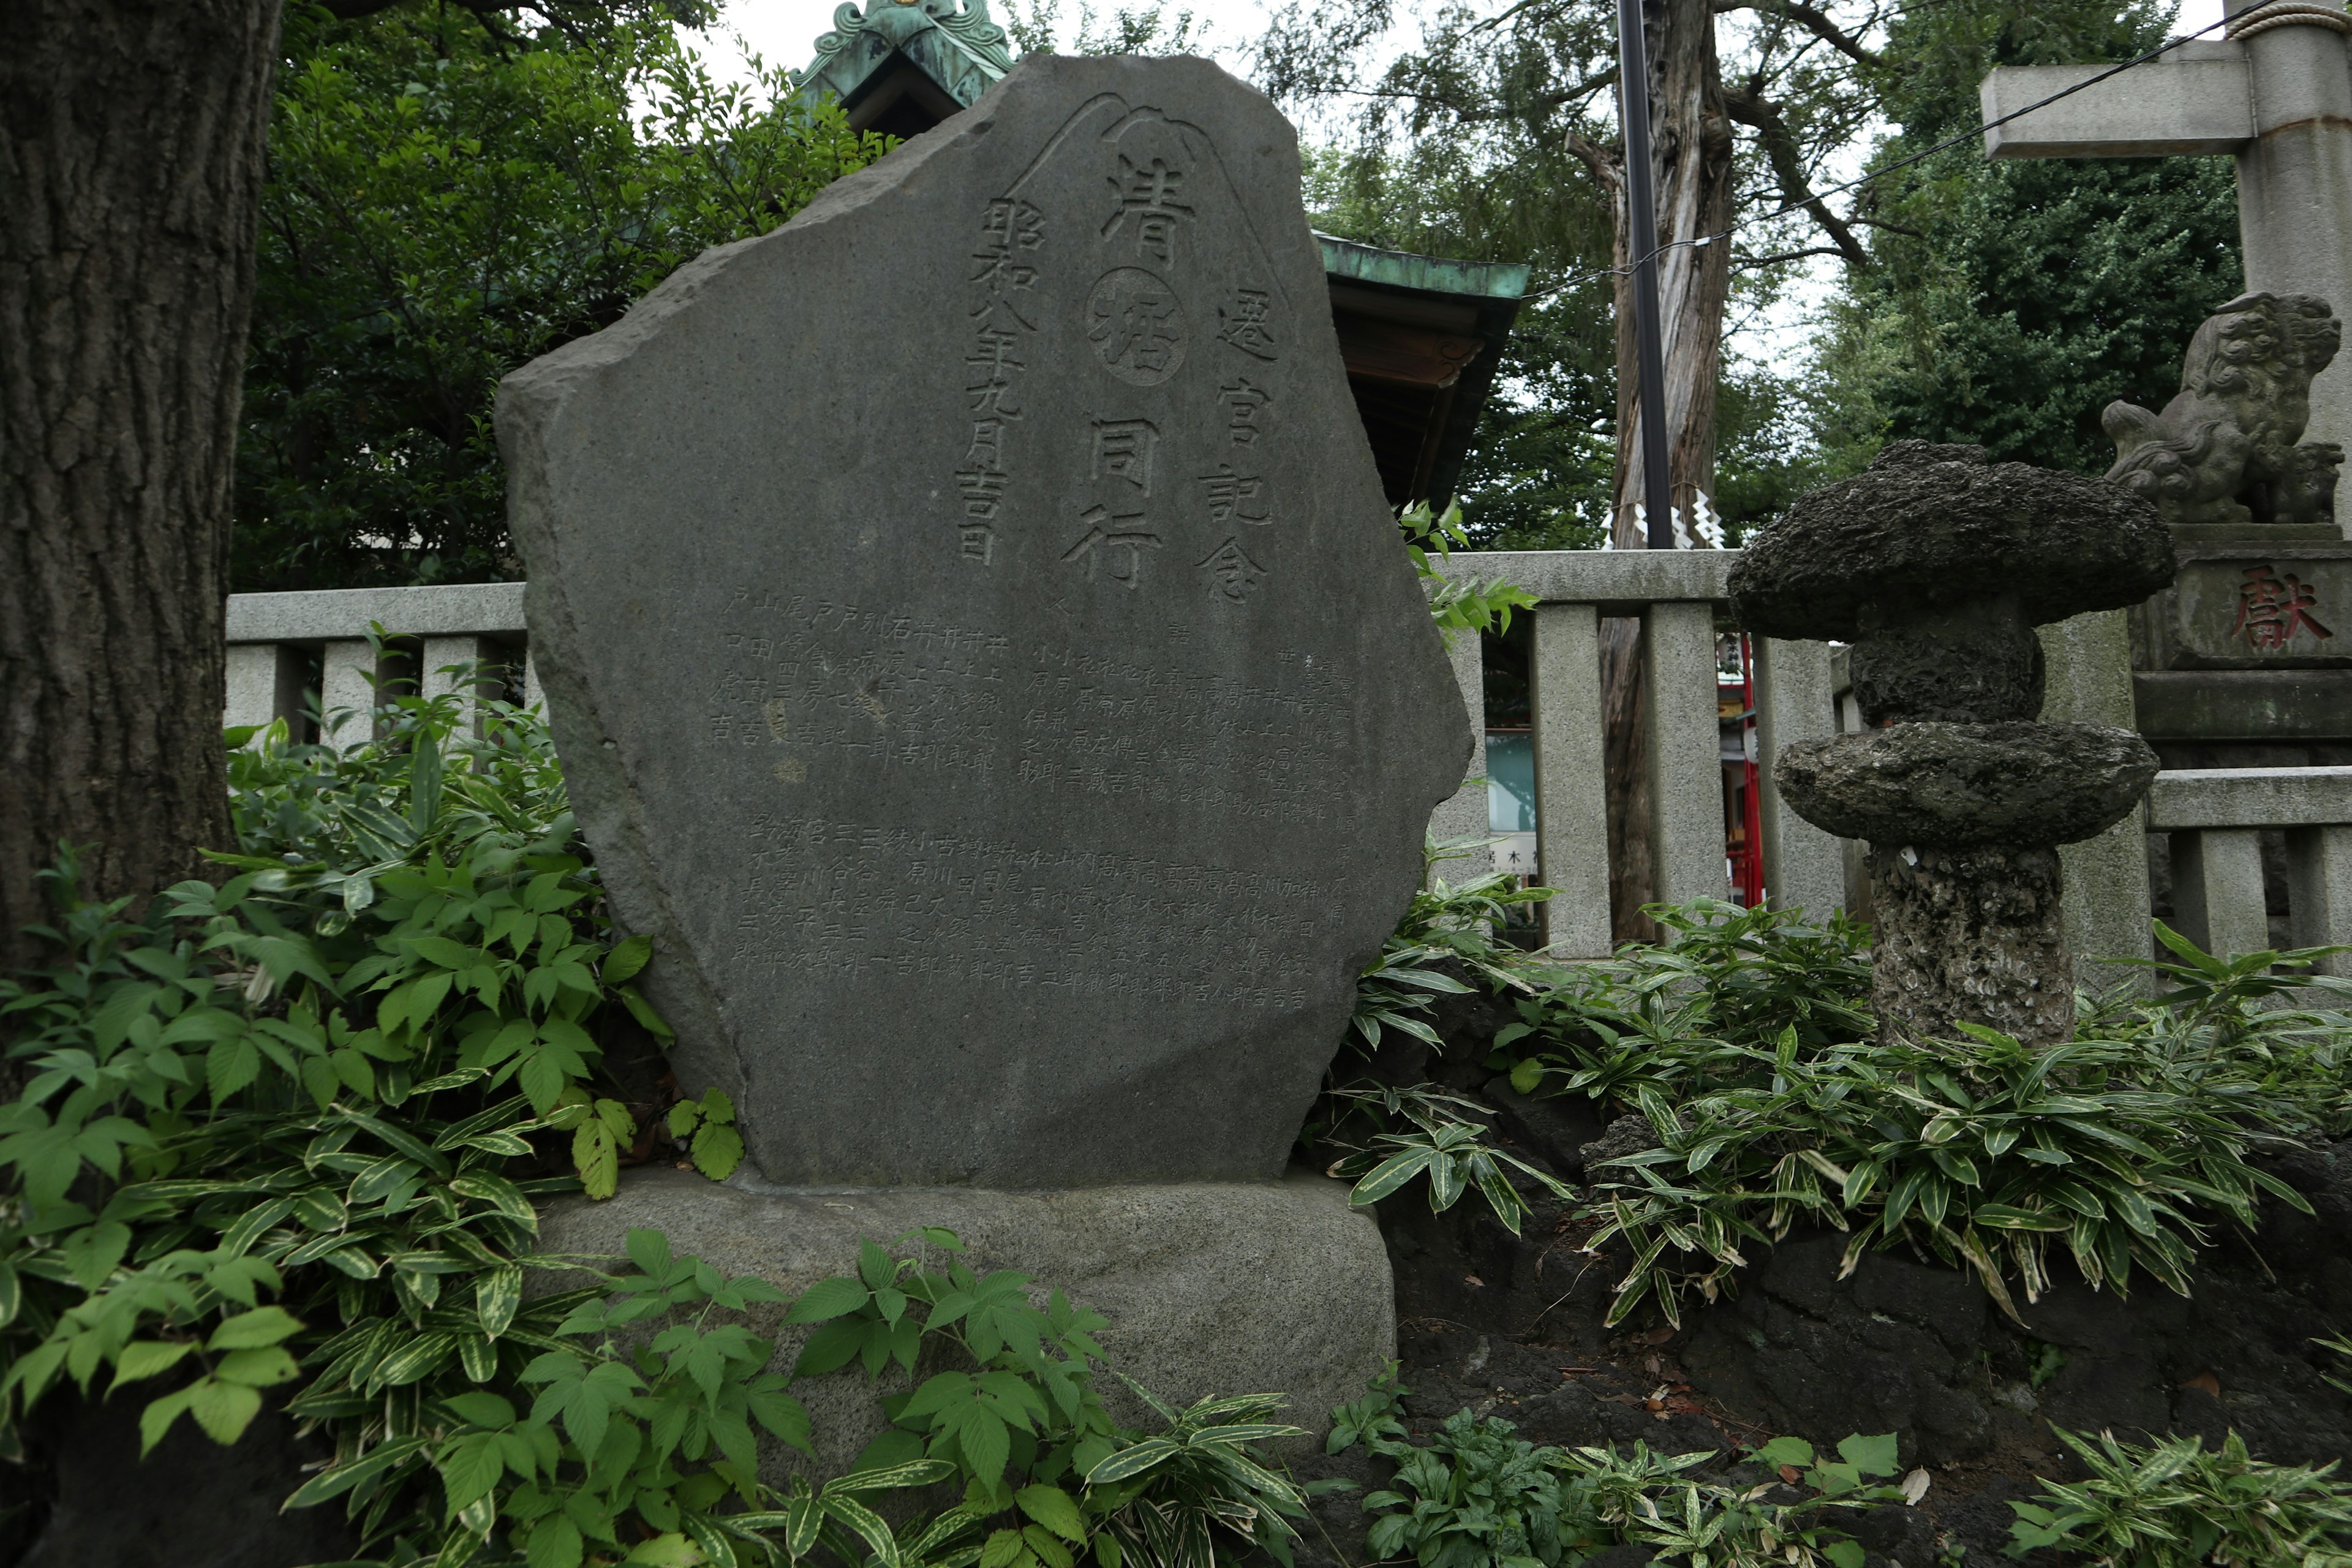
(2225, 448)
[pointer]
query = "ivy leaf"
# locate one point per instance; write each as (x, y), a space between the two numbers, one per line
(597, 1159)
(252, 1331)
(555, 1543)
(1053, 1507)
(157, 1418)
(91, 1253)
(143, 1358)
(1870, 1456)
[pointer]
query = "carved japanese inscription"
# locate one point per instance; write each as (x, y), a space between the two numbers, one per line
(2289, 608)
(980, 655)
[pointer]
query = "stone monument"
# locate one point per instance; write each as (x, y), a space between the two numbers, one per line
(2248, 633)
(984, 664)
(2228, 450)
(1936, 566)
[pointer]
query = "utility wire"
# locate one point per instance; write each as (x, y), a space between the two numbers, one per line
(1788, 207)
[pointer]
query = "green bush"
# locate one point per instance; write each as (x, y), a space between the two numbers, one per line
(287, 1132)
(1387, 1134)
(2175, 1505)
(1477, 1495)
(1745, 1041)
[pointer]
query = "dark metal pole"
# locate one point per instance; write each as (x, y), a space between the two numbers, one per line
(1642, 210)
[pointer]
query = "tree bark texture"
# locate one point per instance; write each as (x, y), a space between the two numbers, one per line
(1692, 147)
(131, 138)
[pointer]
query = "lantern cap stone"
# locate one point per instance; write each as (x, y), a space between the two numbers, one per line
(1928, 528)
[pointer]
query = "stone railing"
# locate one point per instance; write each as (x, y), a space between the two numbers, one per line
(283, 646)
(2216, 818)
(1680, 598)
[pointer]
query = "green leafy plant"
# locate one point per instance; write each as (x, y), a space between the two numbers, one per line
(709, 1123)
(1477, 1495)
(1463, 605)
(1046, 1473)
(2178, 1505)
(1444, 1149)
(1744, 1042)
(286, 1132)
(638, 1434)
(1386, 1135)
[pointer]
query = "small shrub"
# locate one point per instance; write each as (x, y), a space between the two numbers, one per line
(1389, 1135)
(1477, 1495)
(2176, 1505)
(1745, 1042)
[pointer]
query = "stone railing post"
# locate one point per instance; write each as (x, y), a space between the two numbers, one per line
(1803, 866)
(1571, 809)
(2088, 681)
(1685, 753)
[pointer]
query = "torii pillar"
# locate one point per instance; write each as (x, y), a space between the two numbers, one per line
(2277, 96)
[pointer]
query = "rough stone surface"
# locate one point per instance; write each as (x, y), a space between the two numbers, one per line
(1968, 785)
(189, 1503)
(1927, 528)
(1969, 934)
(979, 651)
(1211, 1287)
(1975, 663)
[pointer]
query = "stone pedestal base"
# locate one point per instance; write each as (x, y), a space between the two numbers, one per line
(1971, 935)
(1215, 1287)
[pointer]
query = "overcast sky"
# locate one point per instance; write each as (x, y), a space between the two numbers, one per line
(785, 31)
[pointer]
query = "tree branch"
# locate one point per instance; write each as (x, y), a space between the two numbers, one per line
(1813, 21)
(1761, 115)
(1780, 256)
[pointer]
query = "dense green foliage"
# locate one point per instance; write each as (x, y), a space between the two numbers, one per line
(287, 1132)
(2176, 1505)
(1476, 1495)
(1745, 1041)
(446, 199)
(2010, 301)
(1385, 1135)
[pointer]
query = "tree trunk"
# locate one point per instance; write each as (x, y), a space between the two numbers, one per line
(132, 136)
(1691, 144)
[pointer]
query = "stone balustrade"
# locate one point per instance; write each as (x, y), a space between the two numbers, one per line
(1679, 596)
(2216, 818)
(283, 646)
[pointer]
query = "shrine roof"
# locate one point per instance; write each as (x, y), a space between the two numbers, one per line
(1426, 274)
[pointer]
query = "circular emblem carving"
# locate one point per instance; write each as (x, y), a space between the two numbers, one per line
(1136, 325)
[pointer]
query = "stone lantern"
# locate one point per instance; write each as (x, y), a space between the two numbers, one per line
(1936, 565)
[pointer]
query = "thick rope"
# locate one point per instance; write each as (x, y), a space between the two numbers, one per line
(2288, 14)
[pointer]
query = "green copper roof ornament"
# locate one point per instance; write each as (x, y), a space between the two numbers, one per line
(957, 47)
